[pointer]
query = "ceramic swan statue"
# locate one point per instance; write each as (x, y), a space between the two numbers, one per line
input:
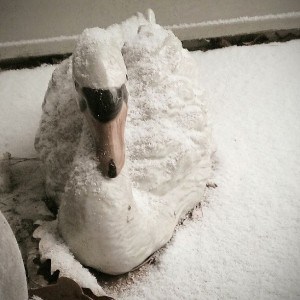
(124, 143)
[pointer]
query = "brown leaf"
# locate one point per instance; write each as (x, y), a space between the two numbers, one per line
(64, 289)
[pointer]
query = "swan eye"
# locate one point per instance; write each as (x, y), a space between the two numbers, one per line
(126, 77)
(76, 85)
(103, 104)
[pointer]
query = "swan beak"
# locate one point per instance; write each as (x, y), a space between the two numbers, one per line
(106, 112)
(110, 144)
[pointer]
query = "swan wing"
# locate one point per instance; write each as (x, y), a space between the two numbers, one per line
(167, 134)
(59, 131)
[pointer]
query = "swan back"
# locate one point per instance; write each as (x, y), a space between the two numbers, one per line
(167, 133)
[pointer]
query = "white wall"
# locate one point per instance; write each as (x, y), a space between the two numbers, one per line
(31, 20)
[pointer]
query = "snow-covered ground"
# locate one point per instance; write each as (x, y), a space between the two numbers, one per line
(247, 243)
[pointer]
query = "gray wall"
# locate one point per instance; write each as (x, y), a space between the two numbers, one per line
(27, 20)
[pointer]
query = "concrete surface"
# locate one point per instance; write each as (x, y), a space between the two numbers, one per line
(32, 20)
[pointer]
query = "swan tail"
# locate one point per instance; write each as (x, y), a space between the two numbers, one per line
(151, 16)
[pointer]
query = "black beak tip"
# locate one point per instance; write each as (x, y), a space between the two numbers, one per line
(112, 170)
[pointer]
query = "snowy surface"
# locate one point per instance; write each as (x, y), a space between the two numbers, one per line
(247, 243)
(21, 96)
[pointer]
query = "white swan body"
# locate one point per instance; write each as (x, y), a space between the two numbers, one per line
(113, 225)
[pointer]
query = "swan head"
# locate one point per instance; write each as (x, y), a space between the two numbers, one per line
(100, 76)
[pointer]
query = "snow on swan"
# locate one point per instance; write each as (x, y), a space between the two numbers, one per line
(121, 192)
